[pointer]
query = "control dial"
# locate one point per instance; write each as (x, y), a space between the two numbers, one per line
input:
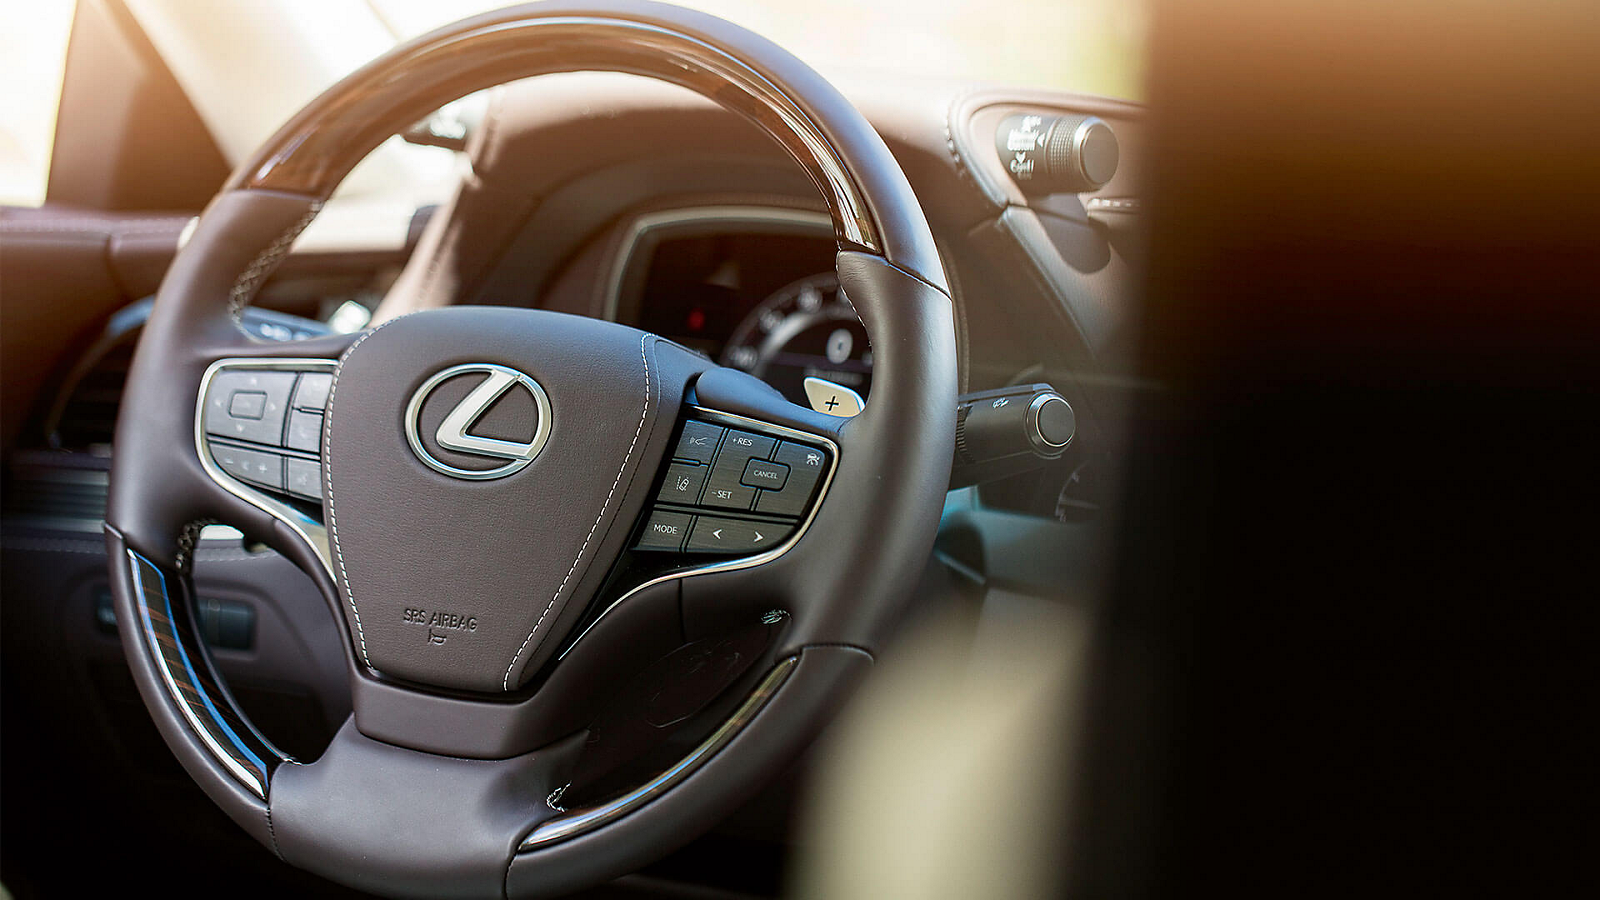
(1058, 154)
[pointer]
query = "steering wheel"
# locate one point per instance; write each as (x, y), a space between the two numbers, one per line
(594, 588)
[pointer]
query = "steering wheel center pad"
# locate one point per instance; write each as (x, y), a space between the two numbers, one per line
(458, 582)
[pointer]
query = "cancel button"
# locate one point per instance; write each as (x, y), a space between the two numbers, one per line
(759, 473)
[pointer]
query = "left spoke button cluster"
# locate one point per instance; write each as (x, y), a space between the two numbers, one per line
(264, 427)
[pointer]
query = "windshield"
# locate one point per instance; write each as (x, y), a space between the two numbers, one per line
(1092, 46)
(1089, 46)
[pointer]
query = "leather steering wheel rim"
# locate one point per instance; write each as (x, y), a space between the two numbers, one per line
(431, 792)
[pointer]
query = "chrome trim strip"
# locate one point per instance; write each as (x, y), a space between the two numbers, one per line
(166, 648)
(310, 530)
(729, 565)
(669, 218)
(576, 822)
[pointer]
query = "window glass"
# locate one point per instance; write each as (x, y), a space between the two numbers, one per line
(1093, 46)
(33, 54)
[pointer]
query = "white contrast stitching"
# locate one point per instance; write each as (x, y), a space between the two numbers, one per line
(637, 430)
(273, 835)
(327, 482)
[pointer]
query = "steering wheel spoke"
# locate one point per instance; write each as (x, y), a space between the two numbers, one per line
(152, 552)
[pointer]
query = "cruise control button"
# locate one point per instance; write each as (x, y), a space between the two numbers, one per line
(762, 474)
(683, 483)
(699, 441)
(664, 531)
(725, 488)
(258, 419)
(312, 392)
(728, 496)
(806, 465)
(254, 466)
(713, 534)
(743, 445)
(305, 431)
(305, 479)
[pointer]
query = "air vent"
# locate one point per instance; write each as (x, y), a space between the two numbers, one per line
(89, 416)
(57, 491)
(83, 417)
(63, 487)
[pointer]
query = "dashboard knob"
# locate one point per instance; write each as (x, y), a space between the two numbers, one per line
(1051, 424)
(1058, 154)
(1007, 431)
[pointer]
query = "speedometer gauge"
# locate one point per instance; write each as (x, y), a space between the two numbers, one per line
(807, 328)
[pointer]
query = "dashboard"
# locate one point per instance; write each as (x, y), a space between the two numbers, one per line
(751, 288)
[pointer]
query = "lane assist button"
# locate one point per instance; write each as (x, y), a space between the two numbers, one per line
(683, 483)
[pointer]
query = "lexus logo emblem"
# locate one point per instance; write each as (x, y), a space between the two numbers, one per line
(454, 432)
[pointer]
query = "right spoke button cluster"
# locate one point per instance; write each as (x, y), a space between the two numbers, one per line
(732, 490)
